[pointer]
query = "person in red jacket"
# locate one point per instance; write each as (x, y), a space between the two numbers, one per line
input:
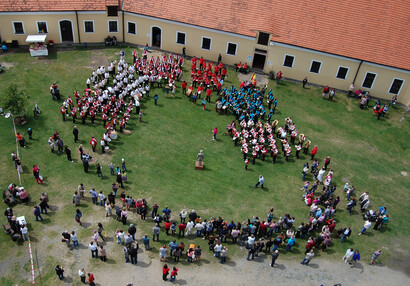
(208, 94)
(167, 226)
(278, 77)
(174, 273)
(182, 227)
(74, 114)
(91, 279)
(183, 86)
(325, 91)
(62, 111)
(93, 143)
(36, 173)
(314, 152)
(165, 271)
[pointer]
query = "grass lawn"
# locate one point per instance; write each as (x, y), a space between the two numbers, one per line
(161, 152)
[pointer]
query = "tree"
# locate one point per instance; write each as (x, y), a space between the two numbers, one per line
(14, 100)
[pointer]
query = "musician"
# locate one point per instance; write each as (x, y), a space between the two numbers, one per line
(93, 143)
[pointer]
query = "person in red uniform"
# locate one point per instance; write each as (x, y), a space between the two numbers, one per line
(183, 86)
(314, 152)
(104, 119)
(246, 163)
(74, 114)
(62, 111)
(208, 94)
(278, 76)
(82, 114)
(224, 71)
(92, 114)
(93, 143)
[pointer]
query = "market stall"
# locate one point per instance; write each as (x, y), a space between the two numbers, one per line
(37, 45)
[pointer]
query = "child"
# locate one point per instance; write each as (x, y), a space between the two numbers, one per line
(203, 104)
(174, 273)
(124, 176)
(156, 98)
(120, 236)
(173, 227)
(246, 163)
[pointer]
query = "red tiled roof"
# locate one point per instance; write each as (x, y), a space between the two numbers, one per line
(374, 31)
(52, 5)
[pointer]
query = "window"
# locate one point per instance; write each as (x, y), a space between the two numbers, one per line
(132, 28)
(18, 27)
(112, 11)
(369, 80)
(231, 50)
(396, 86)
(206, 43)
(342, 72)
(113, 26)
(89, 26)
(181, 38)
(288, 61)
(42, 27)
(315, 67)
(263, 38)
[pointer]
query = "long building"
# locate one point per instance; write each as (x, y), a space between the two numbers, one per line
(332, 42)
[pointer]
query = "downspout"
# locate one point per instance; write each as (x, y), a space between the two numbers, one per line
(78, 27)
(357, 72)
(123, 24)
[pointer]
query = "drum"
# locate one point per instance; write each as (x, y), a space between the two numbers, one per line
(188, 93)
(114, 135)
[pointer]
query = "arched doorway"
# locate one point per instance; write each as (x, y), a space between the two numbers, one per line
(66, 31)
(156, 37)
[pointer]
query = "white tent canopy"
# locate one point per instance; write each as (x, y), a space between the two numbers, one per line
(36, 38)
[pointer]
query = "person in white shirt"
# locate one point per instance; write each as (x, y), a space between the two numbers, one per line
(348, 256)
(94, 249)
(367, 224)
(24, 232)
(199, 228)
(189, 227)
(251, 241)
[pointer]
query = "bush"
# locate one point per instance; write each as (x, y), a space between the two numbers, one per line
(14, 100)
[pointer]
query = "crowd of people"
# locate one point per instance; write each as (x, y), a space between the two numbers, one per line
(114, 103)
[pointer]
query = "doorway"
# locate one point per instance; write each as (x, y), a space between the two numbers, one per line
(258, 61)
(66, 31)
(156, 37)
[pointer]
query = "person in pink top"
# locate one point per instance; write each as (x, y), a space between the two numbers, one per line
(214, 132)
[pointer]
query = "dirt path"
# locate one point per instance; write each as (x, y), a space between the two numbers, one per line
(242, 272)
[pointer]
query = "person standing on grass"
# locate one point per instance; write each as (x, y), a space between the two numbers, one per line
(36, 173)
(261, 181)
(99, 171)
(314, 152)
(60, 272)
(366, 226)
(124, 216)
(348, 256)
(278, 76)
(351, 205)
(24, 232)
(304, 82)
(75, 133)
(375, 255)
(78, 216)
(355, 258)
(81, 273)
(74, 239)
(346, 233)
(214, 132)
(37, 213)
(68, 153)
